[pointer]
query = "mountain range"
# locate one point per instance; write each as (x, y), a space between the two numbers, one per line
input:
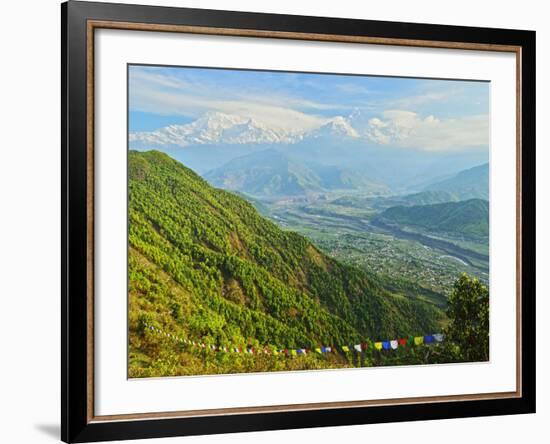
(219, 128)
(216, 138)
(271, 173)
(213, 128)
(467, 184)
(468, 217)
(472, 183)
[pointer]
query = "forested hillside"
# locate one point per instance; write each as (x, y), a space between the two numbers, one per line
(203, 263)
(467, 184)
(469, 218)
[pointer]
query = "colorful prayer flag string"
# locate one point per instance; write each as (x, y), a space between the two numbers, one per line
(392, 344)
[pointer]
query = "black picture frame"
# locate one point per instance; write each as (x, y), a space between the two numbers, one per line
(76, 423)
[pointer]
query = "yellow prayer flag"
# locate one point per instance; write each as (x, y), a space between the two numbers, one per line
(293, 352)
(378, 345)
(418, 340)
(318, 350)
(345, 348)
(275, 352)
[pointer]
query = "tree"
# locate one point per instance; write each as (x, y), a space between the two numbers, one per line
(468, 312)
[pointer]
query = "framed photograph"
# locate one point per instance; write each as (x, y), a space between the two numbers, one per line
(275, 221)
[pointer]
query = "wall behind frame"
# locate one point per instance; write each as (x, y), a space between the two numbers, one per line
(30, 210)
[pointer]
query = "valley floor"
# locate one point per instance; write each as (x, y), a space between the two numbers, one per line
(432, 261)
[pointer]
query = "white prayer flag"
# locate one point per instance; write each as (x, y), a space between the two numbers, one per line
(438, 337)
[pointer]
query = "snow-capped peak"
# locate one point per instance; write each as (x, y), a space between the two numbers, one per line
(215, 120)
(337, 126)
(213, 128)
(221, 128)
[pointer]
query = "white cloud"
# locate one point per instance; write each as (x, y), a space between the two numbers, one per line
(409, 130)
(352, 88)
(424, 98)
(161, 94)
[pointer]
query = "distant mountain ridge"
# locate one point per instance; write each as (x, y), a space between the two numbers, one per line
(467, 184)
(264, 173)
(216, 138)
(271, 173)
(469, 217)
(336, 127)
(211, 128)
(214, 128)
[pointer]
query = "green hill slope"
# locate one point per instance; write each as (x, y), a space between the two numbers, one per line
(271, 173)
(469, 217)
(467, 184)
(265, 173)
(204, 264)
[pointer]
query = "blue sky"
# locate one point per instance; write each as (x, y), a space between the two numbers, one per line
(161, 96)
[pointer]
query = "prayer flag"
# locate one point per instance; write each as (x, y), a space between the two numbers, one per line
(268, 350)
